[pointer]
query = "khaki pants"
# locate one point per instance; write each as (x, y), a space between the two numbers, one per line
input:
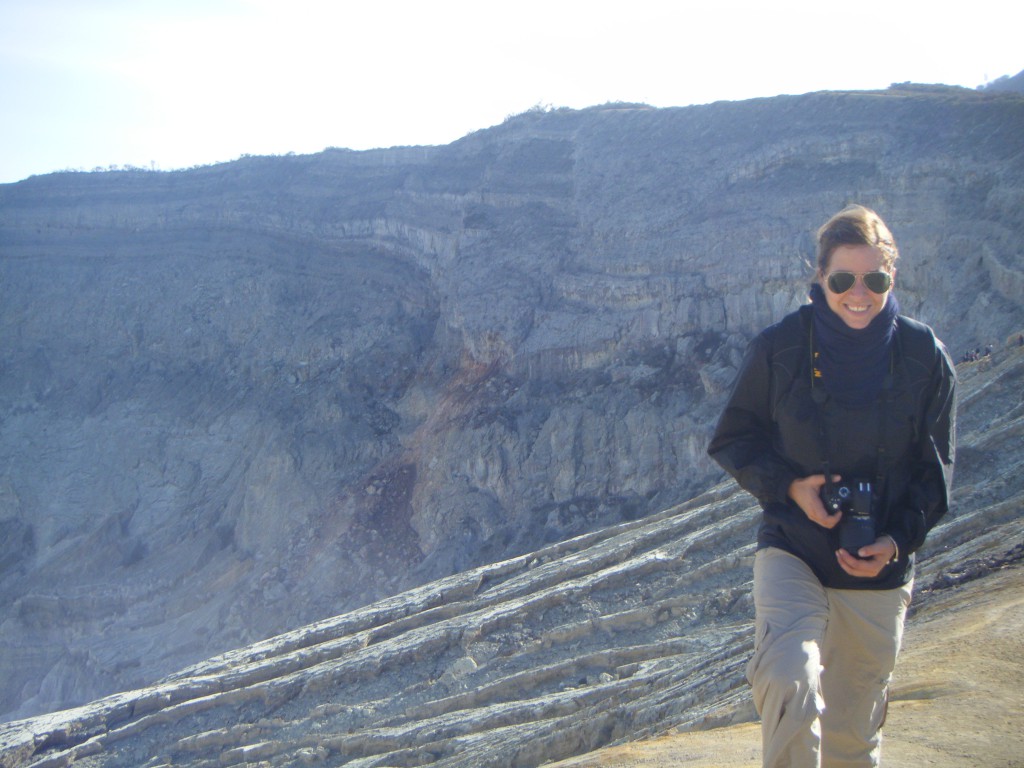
(822, 664)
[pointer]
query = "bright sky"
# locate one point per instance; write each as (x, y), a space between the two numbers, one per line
(174, 83)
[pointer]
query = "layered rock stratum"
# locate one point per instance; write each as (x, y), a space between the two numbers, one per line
(240, 399)
(632, 631)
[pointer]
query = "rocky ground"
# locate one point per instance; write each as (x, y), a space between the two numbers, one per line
(239, 399)
(956, 698)
(615, 637)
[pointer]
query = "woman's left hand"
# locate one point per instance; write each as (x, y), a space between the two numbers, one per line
(873, 558)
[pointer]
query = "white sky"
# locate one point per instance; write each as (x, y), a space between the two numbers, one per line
(176, 83)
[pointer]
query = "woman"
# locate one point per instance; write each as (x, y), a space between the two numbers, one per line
(841, 424)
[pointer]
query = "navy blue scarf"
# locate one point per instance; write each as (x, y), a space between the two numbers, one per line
(853, 362)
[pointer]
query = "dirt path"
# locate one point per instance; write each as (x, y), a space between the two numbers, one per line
(958, 693)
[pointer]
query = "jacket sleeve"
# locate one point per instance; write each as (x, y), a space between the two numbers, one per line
(927, 498)
(742, 442)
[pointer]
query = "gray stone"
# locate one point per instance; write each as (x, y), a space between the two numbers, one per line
(632, 631)
(239, 399)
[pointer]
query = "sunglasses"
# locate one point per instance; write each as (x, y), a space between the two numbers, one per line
(876, 282)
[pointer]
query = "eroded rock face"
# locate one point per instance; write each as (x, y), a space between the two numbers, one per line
(238, 399)
(632, 631)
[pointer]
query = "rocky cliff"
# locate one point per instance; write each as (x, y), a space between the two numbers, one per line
(635, 630)
(241, 398)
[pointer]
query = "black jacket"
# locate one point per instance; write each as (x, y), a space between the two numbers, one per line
(779, 422)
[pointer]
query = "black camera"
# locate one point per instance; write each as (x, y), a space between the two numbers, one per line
(854, 500)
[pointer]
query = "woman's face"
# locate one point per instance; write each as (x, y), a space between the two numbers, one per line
(857, 306)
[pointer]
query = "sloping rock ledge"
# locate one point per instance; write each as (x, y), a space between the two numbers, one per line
(633, 631)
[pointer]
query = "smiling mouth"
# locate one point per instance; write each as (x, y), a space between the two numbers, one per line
(857, 308)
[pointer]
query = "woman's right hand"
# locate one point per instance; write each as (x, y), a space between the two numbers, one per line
(806, 494)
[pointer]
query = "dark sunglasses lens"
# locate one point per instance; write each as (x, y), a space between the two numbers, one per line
(877, 282)
(841, 282)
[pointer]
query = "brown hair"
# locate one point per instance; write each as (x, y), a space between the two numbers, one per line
(856, 225)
